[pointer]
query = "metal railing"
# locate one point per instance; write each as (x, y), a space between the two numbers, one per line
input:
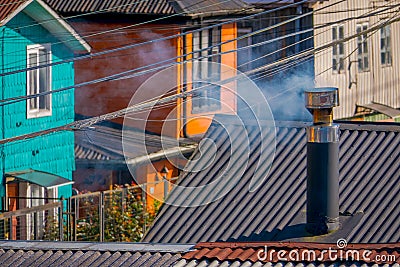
(123, 214)
(44, 222)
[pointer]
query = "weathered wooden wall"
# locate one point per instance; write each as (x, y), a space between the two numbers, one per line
(381, 83)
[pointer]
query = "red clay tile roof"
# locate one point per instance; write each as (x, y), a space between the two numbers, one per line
(293, 251)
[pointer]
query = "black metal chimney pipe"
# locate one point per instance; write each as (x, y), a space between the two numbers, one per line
(322, 162)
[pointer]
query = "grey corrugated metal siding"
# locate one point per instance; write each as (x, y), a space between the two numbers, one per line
(369, 179)
(377, 85)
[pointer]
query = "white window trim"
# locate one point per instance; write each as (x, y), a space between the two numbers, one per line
(38, 112)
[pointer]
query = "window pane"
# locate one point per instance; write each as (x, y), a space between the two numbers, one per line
(43, 80)
(33, 82)
(341, 49)
(341, 32)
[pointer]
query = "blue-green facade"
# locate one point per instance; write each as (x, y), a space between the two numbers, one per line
(53, 153)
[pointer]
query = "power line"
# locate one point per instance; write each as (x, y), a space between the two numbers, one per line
(141, 106)
(125, 74)
(86, 123)
(354, 50)
(151, 41)
(109, 31)
(324, 25)
(323, 47)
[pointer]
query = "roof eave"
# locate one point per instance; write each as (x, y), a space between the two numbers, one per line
(51, 21)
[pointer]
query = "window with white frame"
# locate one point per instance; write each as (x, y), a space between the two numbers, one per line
(206, 96)
(338, 49)
(362, 47)
(386, 50)
(38, 80)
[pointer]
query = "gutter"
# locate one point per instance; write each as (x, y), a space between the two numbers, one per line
(162, 154)
(159, 155)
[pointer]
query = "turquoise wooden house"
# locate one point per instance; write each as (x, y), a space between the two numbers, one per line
(31, 35)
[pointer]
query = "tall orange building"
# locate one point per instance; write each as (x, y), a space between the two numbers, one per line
(111, 24)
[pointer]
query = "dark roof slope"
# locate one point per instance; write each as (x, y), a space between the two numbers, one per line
(149, 7)
(154, 7)
(79, 254)
(14, 253)
(210, 7)
(369, 188)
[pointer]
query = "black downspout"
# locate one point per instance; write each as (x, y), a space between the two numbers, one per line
(184, 99)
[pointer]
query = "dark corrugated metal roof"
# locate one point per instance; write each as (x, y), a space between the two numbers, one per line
(196, 7)
(14, 253)
(369, 189)
(156, 7)
(152, 7)
(139, 7)
(77, 6)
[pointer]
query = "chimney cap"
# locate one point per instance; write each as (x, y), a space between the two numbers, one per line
(321, 98)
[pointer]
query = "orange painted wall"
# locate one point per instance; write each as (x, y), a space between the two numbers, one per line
(198, 124)
(101, 98)
(155, 184)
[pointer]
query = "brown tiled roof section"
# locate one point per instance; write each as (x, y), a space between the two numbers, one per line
(7, 7)
(238, 251)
